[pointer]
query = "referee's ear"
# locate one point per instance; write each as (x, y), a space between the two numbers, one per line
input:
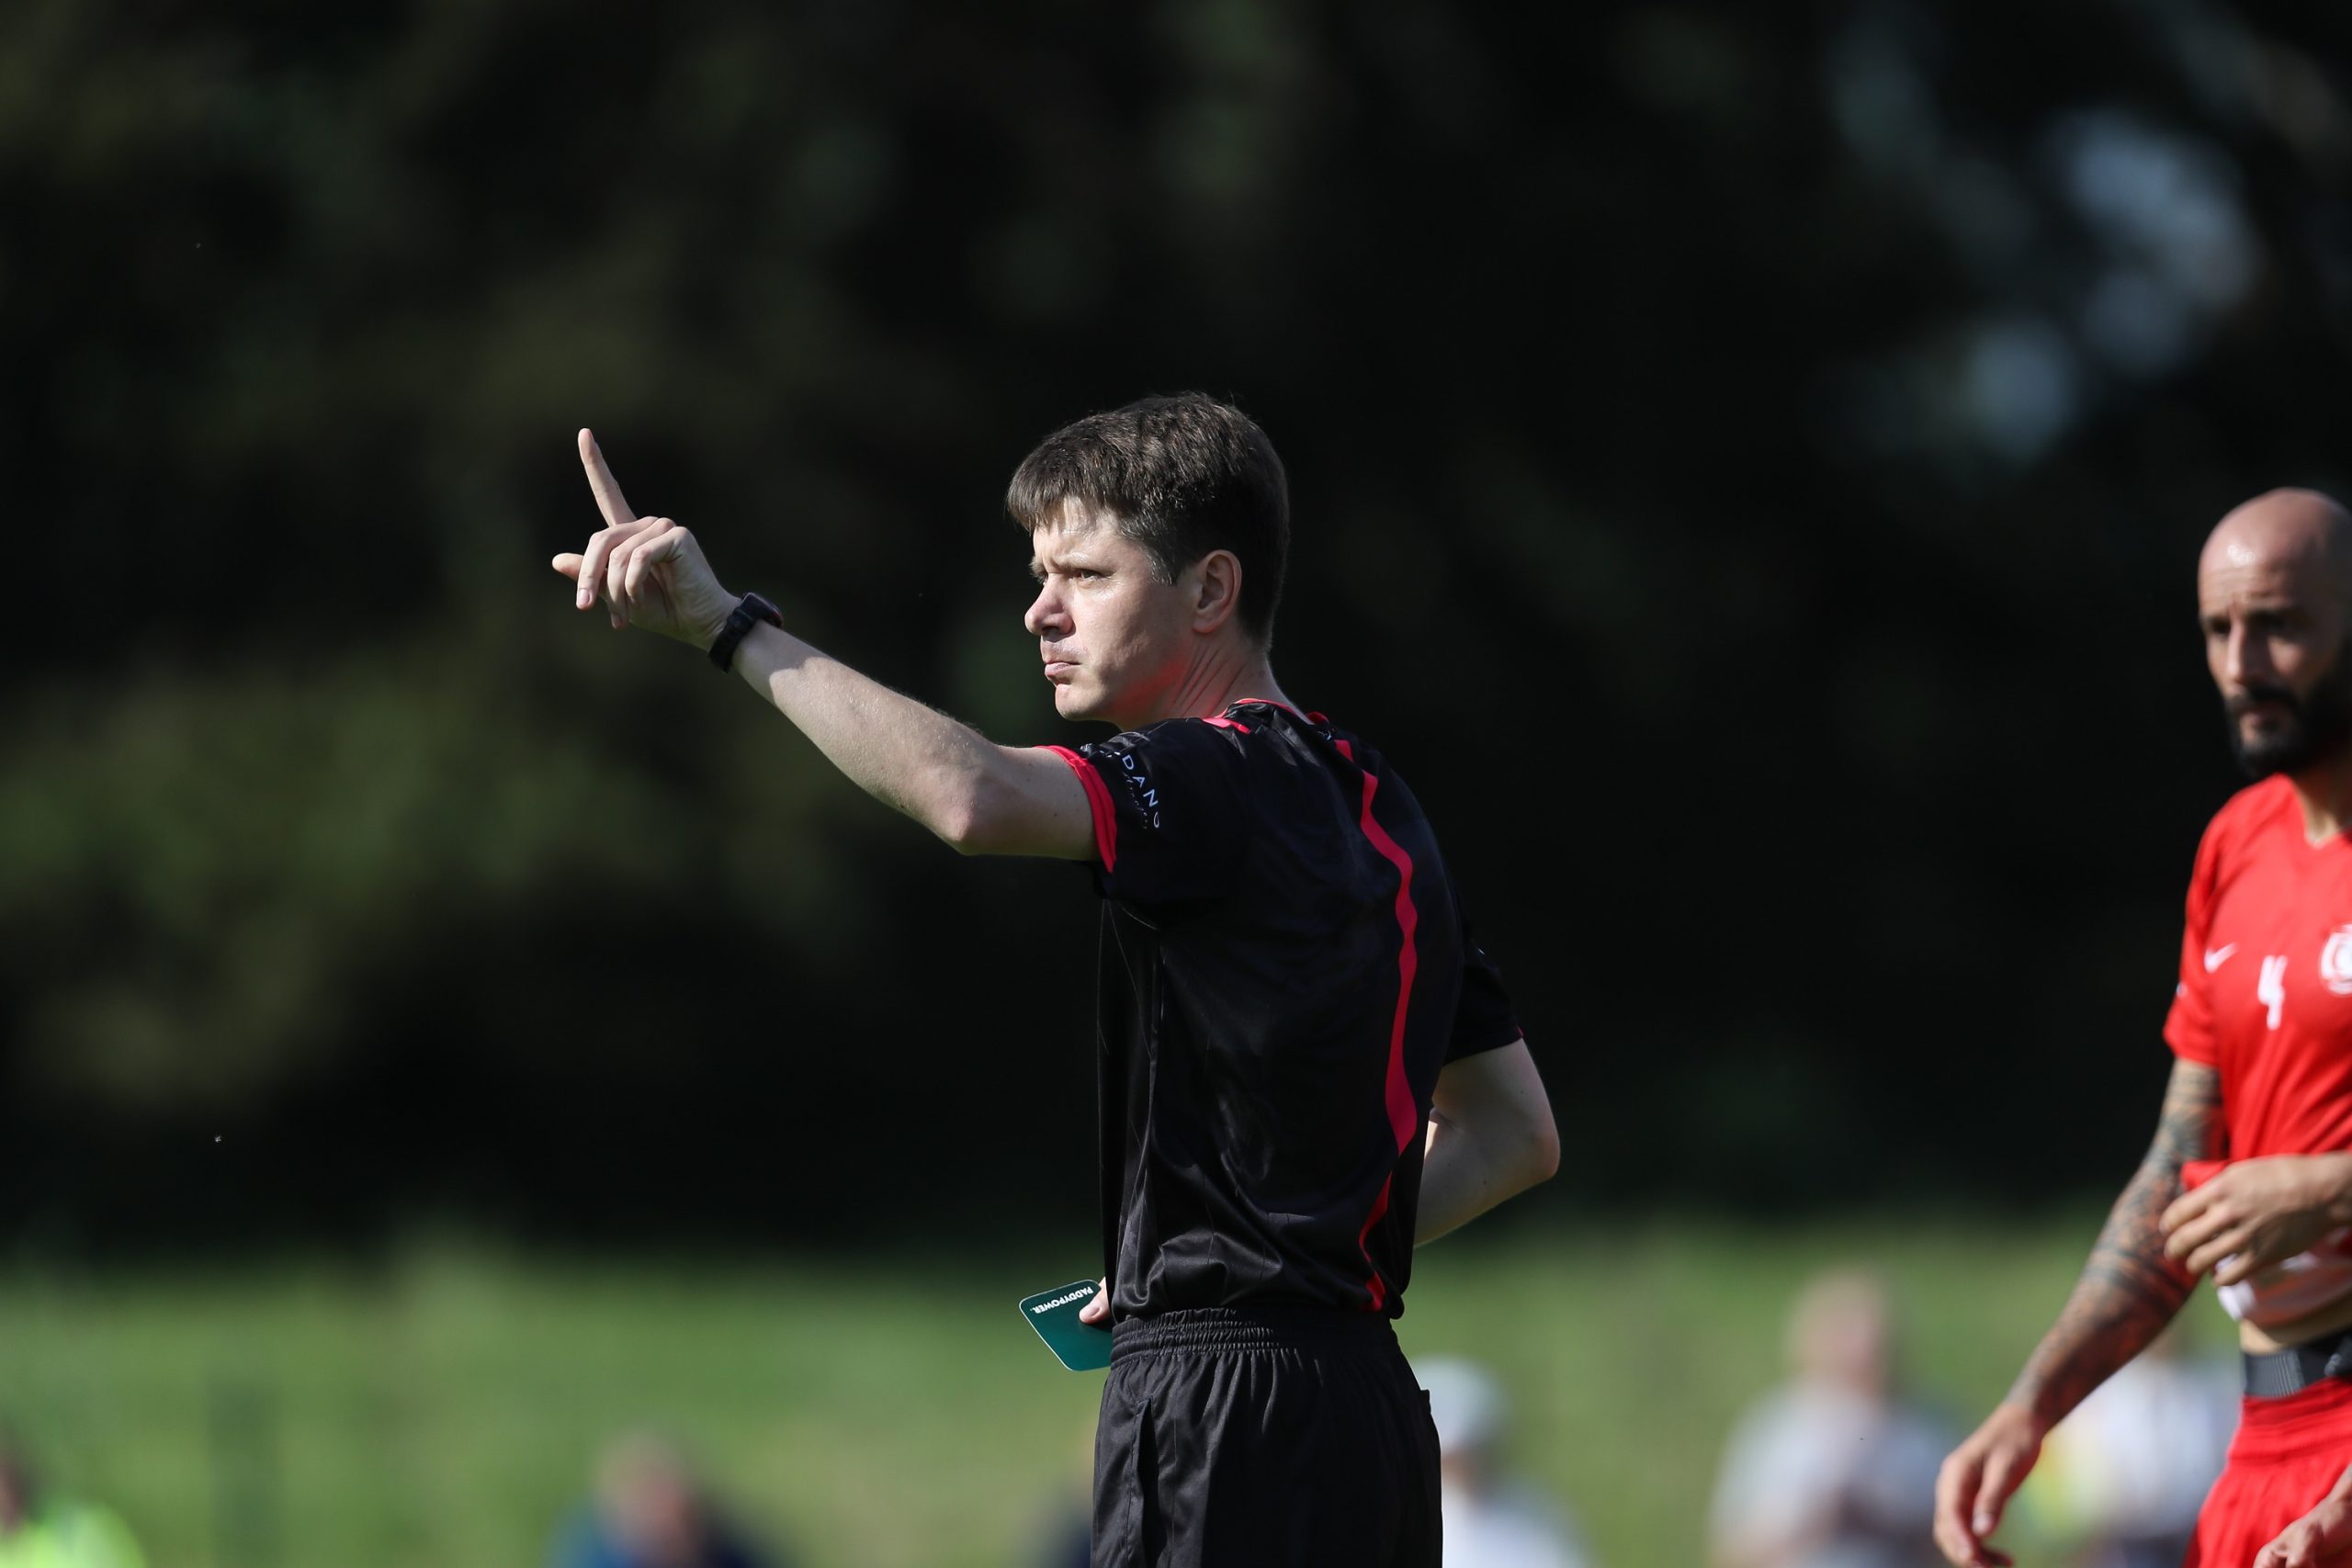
(1214, 584)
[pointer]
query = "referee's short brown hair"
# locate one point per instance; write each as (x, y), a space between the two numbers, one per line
(1180, 476)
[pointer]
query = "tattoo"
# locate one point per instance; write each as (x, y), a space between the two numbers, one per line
(2129, 1289)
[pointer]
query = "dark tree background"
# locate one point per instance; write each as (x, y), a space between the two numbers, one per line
(1748, 461)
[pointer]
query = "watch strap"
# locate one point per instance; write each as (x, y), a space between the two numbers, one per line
(749, 612)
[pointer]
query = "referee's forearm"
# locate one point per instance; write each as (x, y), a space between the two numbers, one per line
(910, 757)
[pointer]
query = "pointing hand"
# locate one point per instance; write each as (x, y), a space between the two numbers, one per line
(649, 572)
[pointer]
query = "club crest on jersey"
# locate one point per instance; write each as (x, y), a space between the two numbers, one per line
(2335, 961)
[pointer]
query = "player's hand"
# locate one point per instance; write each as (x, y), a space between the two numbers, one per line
(649, 571)
(1099, 1309)
(1976, 1483)
(2256, 1212)
(2324, 1534)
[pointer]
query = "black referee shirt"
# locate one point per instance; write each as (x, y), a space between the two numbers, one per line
(1285, 967)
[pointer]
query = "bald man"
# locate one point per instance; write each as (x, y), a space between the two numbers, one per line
(2250, 1175)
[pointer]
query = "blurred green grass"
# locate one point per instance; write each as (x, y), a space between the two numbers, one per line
(444, 1406)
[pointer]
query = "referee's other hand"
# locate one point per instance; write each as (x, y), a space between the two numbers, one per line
(1099, 1309)
(1976, 1483)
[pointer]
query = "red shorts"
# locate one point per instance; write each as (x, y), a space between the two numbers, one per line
(2286, 1454)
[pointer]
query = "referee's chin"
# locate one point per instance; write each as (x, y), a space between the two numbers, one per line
(1077, 706)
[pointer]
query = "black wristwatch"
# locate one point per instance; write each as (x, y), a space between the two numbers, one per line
(749, 611)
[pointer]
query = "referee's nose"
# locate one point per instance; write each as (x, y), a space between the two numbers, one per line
(1048, 617)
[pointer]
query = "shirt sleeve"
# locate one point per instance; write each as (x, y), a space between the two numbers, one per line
(1171, 816)
(1483, 1018)
(2189, 1028)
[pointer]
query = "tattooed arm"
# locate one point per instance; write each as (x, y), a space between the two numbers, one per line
(2129, 1291)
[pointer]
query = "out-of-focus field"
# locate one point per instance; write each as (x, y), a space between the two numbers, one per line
(445, 1408)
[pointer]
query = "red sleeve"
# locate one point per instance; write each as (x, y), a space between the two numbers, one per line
(1171, 816)
(2189, 1028)
(1098, 806)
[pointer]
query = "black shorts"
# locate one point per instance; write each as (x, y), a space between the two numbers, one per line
(1263, 1438)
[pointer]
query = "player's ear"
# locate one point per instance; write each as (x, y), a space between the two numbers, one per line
(1216, 580)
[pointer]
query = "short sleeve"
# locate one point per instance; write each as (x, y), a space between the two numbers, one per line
(1483, 1018)
(1171, 816)
(2189, 1028)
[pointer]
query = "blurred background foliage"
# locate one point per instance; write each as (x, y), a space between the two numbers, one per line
(1749, 464)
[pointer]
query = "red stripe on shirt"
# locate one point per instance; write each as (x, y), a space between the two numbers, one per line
(1098, 804)
(1404, 1111)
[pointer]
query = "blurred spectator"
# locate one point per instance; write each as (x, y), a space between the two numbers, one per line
(2122, 1478)
(42, 1530)
(651, 1512)
(1065, 1538)
(1835, 1469)
(1491, 1519)
(1069, 1542)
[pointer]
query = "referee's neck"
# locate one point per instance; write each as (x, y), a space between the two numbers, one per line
(1218, 677)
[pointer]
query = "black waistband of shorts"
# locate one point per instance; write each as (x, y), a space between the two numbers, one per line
(2278, 1373)
(1274, 1327)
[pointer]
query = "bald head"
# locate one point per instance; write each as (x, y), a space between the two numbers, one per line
(2284, 530)
(2274, 595)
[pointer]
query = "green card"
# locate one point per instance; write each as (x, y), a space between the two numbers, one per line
(1081, 1347)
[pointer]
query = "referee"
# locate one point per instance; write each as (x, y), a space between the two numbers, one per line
(1306, 1064)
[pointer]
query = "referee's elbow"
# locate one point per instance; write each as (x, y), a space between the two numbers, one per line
(966, 834)
(1537, 1137)
(975, 819)
(961, 814)
(958, 831)
(1543, 1148)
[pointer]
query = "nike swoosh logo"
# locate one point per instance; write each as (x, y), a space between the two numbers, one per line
(2217, 956)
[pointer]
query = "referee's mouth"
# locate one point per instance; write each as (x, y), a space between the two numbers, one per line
(1058, 669)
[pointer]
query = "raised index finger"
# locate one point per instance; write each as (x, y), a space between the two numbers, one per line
(609, 500)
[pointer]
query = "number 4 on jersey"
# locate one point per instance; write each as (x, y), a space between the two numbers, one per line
(2272, 990)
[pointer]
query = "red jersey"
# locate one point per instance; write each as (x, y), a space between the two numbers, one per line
(2266, 997)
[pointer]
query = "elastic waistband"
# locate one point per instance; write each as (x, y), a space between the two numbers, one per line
(1215, 1329)
(2273, 1374)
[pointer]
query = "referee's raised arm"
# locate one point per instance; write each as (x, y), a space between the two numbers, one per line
(977, 797)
